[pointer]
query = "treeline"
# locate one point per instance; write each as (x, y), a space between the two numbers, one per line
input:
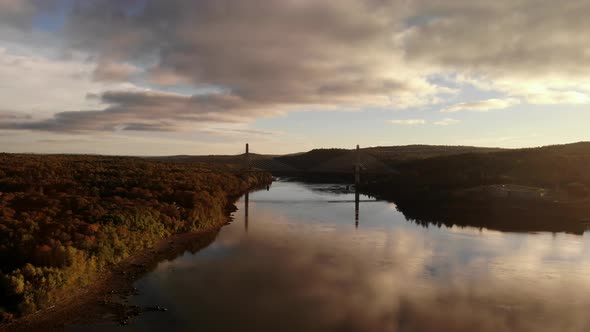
(563, 167)
(307, 160)
(394, 155)
(64, 218)
(443, 190)
(390, 155)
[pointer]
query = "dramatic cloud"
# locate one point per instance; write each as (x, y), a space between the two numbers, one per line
(289, 52)
(481, 105)
(552, 89)
(408, 122)
(148, 111)
(446, 122)
(512, 46)
(236, 61)
(531, 37)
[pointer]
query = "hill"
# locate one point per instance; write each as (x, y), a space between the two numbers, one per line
(548, 166)
(486, 189)
(433, 166)
(393, 155)
(307, 160)
(380, 158)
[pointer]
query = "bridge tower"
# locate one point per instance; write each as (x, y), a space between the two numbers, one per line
(357, 166)
(247, 158)
(356, 206)
(247, 167)
(357, 181)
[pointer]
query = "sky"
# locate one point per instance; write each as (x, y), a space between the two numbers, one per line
(154, 77)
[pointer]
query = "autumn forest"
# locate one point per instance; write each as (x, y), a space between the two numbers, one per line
(66, 218)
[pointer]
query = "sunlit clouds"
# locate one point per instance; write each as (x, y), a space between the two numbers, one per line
(481, 105)
(187, 66)
(447, 122)
(408, 122)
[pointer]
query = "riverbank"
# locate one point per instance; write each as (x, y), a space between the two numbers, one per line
(106, 298)
(464, 208)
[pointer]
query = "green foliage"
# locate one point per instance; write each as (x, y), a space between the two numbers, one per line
(63, 218)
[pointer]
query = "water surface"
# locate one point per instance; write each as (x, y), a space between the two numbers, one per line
(295, 259)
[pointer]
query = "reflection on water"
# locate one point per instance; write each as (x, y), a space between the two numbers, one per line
(246, 206)
(356, 207)
(305, 266)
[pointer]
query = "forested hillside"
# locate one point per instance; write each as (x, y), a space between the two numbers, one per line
(307, 160)
(390, 155)
(451, 190)
(394, 155)
(64, 218)
(559, 166)
(313, 161)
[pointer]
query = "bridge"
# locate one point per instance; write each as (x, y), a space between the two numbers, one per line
(349, 162)
(328, 164)
(356, 201)
(355, 162)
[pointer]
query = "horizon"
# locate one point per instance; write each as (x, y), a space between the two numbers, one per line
(292, 153)
(151, 78)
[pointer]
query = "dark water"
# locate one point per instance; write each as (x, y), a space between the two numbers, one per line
(298, 263)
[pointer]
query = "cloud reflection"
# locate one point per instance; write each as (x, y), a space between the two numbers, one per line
(367, 282)
(299, 269)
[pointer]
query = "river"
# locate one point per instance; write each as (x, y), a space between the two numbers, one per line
(295, 259)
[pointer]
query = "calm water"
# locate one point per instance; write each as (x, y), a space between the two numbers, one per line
(298, 262)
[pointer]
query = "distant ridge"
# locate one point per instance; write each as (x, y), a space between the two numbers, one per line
(379, 159)
(344, 164)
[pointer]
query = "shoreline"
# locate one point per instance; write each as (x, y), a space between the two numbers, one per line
(105, 297)
(492, 213)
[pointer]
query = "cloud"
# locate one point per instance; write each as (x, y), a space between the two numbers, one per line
(16, 12)
(148, 111)
(295, 52)
(514, 46)
(165, 77)
(264, 59)
(13, 6)
(113, 71)
(408, 122)
(19, 15)
(38, 85)
(238, 131)
(446, 122)
(8, 115)
(503, 36)
(558, 97)
(267, 58)
(481, 105)
(553, 89)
